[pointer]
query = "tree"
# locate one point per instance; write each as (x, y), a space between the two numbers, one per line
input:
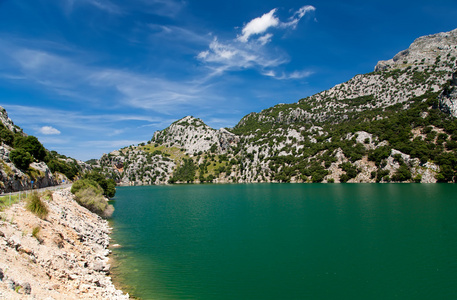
(21, 159)
(108, 185)
(6, 136)
(69, 170)
(402, 174)
(185, 172)
(31, 145)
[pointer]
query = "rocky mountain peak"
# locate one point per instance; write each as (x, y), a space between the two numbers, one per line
(6, 121)
(193, 135)
(425, 50)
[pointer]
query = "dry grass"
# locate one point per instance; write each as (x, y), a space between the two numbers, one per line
(37, 206)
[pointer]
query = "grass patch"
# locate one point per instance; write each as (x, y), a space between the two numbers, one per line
(34, 173)
(173, 153)
(37, 206)
(7, 168)
(215, 166)
(36, 233)
(7, 201)
(47, 195)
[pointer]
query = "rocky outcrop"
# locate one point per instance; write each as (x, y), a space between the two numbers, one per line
(39, 174)
(64, 256)
(12, 179)
(7, 122)
(194, 136)
(424, 50)
(448, 98)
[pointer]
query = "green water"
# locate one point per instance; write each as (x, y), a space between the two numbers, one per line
(287, 241)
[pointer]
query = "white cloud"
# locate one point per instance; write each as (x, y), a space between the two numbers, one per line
(259, 25)
(49, 130)
(248, 52)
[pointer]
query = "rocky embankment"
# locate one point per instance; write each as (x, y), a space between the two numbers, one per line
(64, 256)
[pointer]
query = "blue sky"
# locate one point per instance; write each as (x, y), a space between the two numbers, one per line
(91, 76)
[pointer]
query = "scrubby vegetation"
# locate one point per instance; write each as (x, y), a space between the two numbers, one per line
(89, 194)
(184, 173)
(21, 159)
(37, 206)
(107, 185)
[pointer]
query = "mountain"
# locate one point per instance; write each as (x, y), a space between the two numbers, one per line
(24, 162)
(397, 123)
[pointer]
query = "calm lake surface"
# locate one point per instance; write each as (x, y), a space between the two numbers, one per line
(287, 241)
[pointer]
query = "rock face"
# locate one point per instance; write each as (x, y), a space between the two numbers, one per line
(448, 98)
(13, 179)
(7, 122)
(194, 136)
(131, 166)
(425, 50)
(155, 163)
(62, 257)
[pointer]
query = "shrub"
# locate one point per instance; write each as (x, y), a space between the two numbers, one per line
(69, 170)
(48, 195)
(418, 178)
(89, 194)
(21, 159)
(84, 184)
(36, 231)
(36, 234)
(36, 206)
(108, 185)
(31, 145)
(185, 172)
(402, 174)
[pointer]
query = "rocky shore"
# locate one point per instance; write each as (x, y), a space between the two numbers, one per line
(64, 256)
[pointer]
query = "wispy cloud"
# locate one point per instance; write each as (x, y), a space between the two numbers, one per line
(286, 76)
(104, 5)
(76, 79)
(182, 34)
(298, 15)
(30, 116)
(249, 49)
(222, 57)
(112, 144)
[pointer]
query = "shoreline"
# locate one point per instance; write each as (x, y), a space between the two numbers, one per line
(64, 256)
(116, 262)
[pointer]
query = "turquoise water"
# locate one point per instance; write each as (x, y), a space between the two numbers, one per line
(287, 241)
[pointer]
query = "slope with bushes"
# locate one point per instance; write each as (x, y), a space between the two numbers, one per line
(397, 124)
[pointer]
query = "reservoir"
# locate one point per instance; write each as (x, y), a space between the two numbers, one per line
(286, 241)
